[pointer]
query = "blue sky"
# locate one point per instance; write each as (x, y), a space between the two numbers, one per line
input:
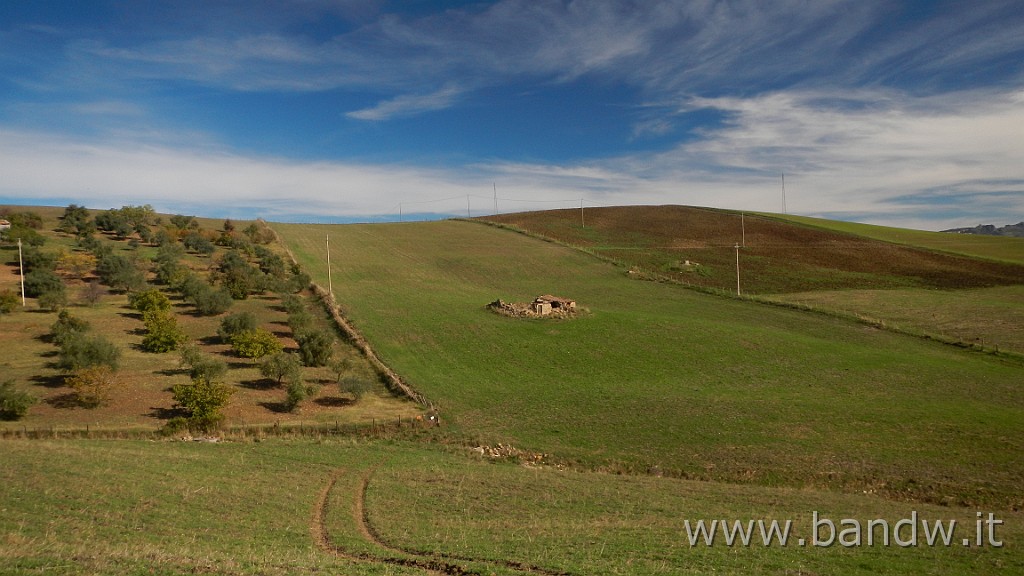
(900, 113)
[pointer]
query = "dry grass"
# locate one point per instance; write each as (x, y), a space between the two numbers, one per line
(142, 397)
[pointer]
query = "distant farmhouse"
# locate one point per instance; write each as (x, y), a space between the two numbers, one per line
(5, 225)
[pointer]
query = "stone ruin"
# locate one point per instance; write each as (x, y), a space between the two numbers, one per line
(546, 306)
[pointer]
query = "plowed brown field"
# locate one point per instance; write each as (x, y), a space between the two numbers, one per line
(775, 257)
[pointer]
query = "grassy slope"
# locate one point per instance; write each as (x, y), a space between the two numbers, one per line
(991, 247)
(778, 256)
(656, 375)
(134, 507)
(991, 317)
(886, 274)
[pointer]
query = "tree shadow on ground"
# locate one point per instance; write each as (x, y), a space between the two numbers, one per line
(161, 413)
(276, 407)
(68, 400)
(333, 401)
(51, 381)
(259, 384)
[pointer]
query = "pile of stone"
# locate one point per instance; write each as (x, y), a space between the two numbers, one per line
(542, 307)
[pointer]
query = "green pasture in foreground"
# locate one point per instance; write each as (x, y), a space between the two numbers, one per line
(103, 507)
(990, 317)
(991, 247)
(656, 376)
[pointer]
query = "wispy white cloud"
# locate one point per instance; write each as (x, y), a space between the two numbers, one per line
(407, 105)
(929, 162)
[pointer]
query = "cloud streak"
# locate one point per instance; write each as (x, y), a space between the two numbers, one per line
(408, 105)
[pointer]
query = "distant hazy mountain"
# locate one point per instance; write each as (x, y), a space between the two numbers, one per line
(990, 230)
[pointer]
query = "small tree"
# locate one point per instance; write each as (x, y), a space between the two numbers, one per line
(340, 366)
(92, 293)
(14, 403)
(92, 384)
(163, 333)
(281, 366)
(203, 399)
(255, 344)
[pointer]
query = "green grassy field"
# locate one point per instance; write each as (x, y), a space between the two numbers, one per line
(655, 407)
(991, 247)
(338, 506)
(989, 317)
(654, 375)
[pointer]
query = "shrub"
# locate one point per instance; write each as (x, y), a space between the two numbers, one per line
(296, 392)
(9, 301)
(85, 351)
(315, 347)
(14, 403)
(54, 300)
(163, 333)
(255, 343)
(300, 322)
(75, 264)
(40, 281)
(92, 384)
(213, 369)
(120, 272)
(148, 300)
(67, 327)
(355, 386)
(234, 323)
(211, 302)
(203, 399)
(292, 304)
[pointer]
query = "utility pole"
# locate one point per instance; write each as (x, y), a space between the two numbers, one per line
(783, 192)
(21, 267)
(399, 211)
(582, 222)
(330, 283)
(468, 215)
(737, 269)
(495, 185)
(743, 231)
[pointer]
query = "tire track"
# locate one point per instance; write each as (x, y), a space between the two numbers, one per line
(366, 528)
(318, 531)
